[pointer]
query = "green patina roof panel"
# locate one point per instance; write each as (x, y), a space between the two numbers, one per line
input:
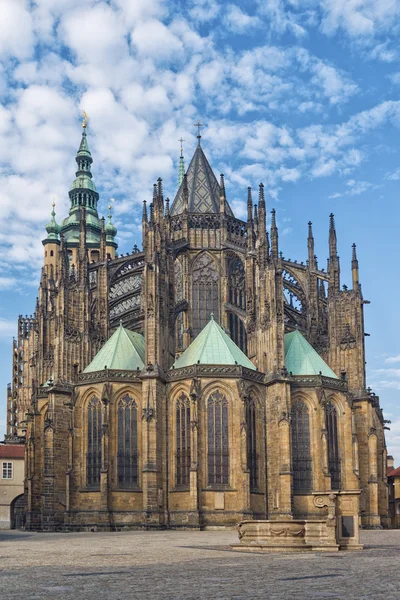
(302, 359)
(124, 351)
(213, 347)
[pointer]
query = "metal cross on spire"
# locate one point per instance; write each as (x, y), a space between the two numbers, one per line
(198, 125)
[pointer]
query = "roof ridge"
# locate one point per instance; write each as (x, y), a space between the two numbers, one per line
(118, 331)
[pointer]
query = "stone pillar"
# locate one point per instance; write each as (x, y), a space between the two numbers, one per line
(374, 521)
(194, 518)
(285, 474)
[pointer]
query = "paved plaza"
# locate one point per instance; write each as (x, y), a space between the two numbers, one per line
(184, 564)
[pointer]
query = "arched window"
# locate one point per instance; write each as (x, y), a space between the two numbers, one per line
(205, 292)
(238, 332)
(183, 441)
(252, 442)
(236, 282)
(333, 445)
(301, 453)
(93, 457)
(179, 331)
(218, 446)
(127, 455)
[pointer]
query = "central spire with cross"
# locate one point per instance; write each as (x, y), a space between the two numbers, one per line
(199, 125)
(181, 163)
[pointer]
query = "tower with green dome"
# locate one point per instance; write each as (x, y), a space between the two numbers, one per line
(83, 195)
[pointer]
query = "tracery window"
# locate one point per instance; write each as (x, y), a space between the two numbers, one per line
(238, 332)
(183, 441)
(218, 445)
(205, 292)
(301, 451)
(333, 444)
(236, 282)
(93, 457)
(127, 454)
(252, 462)
(179, 331)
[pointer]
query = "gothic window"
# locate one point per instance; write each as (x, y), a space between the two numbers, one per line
(333, 445)
(127, 455)
(178, 281)
(301, 452)
(183, 441)
(205, 292)
(236, 282)
(179, 331)
(218, 447)
(252, 442)
(238, 332)
(93, 457)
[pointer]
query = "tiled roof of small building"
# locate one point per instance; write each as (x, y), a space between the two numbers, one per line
(302, 359)
(394, 472)
(12, 450)
(124, 351)
(213, 347)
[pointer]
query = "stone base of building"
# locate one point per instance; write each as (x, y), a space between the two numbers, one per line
(292, 536)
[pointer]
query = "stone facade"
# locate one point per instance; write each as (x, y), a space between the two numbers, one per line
(209, 444)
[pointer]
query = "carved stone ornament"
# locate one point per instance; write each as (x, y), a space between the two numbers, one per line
(72, 334)
(348, 341)
(148, 413)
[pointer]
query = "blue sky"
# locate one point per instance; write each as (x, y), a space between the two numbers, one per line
(302, 95)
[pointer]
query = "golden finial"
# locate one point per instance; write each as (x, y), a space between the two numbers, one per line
(85, 120)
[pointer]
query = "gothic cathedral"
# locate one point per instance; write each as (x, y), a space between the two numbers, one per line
(202, 380)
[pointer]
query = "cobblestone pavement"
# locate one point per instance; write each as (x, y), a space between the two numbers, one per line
(184, 564)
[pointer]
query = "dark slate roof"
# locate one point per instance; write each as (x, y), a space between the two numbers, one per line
(203, 187)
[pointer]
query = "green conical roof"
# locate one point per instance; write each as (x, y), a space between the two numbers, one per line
(213, 347)
(123, 351)
(302, 359)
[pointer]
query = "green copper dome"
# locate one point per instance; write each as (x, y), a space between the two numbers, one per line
(52, 228)
(110, 229)
(302, 359)
(83, 182)
(213, 347)
(124, 351)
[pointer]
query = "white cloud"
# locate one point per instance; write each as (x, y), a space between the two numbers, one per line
(16, 30)
(359, 17)
(239, 21)
(153, 39)
(7, 329)
(393, 359)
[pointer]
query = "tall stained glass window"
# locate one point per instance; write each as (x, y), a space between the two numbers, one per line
(218, 445)
(127, 455)
(333, 444)
(301, 453)
(252, 442)
(93, 457)
(204, 292)
(183, 441)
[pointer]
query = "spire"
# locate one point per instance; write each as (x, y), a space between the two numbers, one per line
(83, 191)
(332, 237)
(274, 235)
(204, 192)
(334, 265)
(250, 228)
(52, 228)
(144, 214)
(181, 164)
(249, 205)
(310, 243)
(110, 229)
(160, 197)
(167, 207)
(261, 211)
(354, 268)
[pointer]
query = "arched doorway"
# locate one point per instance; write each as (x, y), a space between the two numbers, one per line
(18, 512)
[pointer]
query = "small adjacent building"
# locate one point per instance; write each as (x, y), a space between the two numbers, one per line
(393, 477)
(12, 485)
